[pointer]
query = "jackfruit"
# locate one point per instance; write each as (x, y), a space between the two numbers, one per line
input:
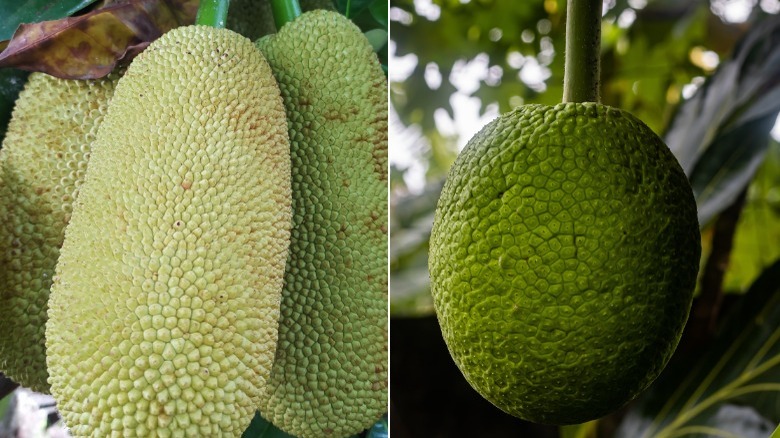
(164, 309)
(563, 258)
(330, 374)
(255, 18)
(42, 165)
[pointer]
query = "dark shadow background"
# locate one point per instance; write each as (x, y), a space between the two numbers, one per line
(430, 398)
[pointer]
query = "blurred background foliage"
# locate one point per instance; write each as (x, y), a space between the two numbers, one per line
(705, 75)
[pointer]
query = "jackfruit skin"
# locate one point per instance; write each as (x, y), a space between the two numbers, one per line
(255, 18)
(163, 314)
(330, 374)
(42, 164)
(563, 258)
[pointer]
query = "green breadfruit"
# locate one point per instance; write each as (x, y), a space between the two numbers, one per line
(163, 314)
(563, 259)
(330, 374)
(42, 165)
(254, 18)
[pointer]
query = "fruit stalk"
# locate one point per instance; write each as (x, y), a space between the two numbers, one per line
(213, 13)
(583, 41)
(285, 11)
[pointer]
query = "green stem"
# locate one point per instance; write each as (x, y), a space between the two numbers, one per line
(285, 11)
(213, 13)
(583, 42)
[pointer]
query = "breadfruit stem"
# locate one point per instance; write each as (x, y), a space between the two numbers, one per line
(583, 42)
(213, 13)
(285, 11)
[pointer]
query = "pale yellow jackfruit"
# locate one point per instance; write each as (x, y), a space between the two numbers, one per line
(330, 374)
(42, 164)
(254, 18)
(163, 312)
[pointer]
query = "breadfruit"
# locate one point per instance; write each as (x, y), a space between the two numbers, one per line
(563, 258)
(42, 165)
(164, 309)
(330, 374)
(254, 18)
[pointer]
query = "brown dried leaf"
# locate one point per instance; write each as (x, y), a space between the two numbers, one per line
(89, 46)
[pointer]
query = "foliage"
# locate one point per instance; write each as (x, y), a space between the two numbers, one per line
(89, 46)
(33, 11)
(733, 389)
(720, 135)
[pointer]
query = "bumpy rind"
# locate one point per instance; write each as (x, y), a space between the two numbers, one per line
(163, 314)
(42, 164)
(563, 259)
(330, 374)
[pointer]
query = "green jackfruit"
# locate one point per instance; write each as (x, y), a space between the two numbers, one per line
(563, 259)
(330, 374)
(42, 164)
(163, 314)
(255, 18)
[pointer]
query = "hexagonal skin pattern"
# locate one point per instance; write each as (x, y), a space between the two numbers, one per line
(563, 260)
(330, 374)
(164, 310)
(42, 164)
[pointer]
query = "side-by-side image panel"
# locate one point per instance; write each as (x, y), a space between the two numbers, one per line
(194, 218)
(582, 218)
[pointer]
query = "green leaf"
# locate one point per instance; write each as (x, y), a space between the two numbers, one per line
(11, 83)
(262, 428)
(776, 433)
(734, 388)
(377, 38)
(720, 135)
(15, 12)
(584, 430)
(378, 10)
(355, 6)
(758, 231)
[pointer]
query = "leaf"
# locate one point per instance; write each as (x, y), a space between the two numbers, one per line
(584, 430)
(758, 231)
(377, 38)
(11, 83)
(776, 433)
(89, 46)
(733, 389)
(355, 6)
(378, 10)
(729, 165)
(15, 12)
(720, 135)
(262, 428)
(379, 429)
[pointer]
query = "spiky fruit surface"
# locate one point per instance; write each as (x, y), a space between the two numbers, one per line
(330, 374)
(163, 314)
(42, 164)
(563, 259)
